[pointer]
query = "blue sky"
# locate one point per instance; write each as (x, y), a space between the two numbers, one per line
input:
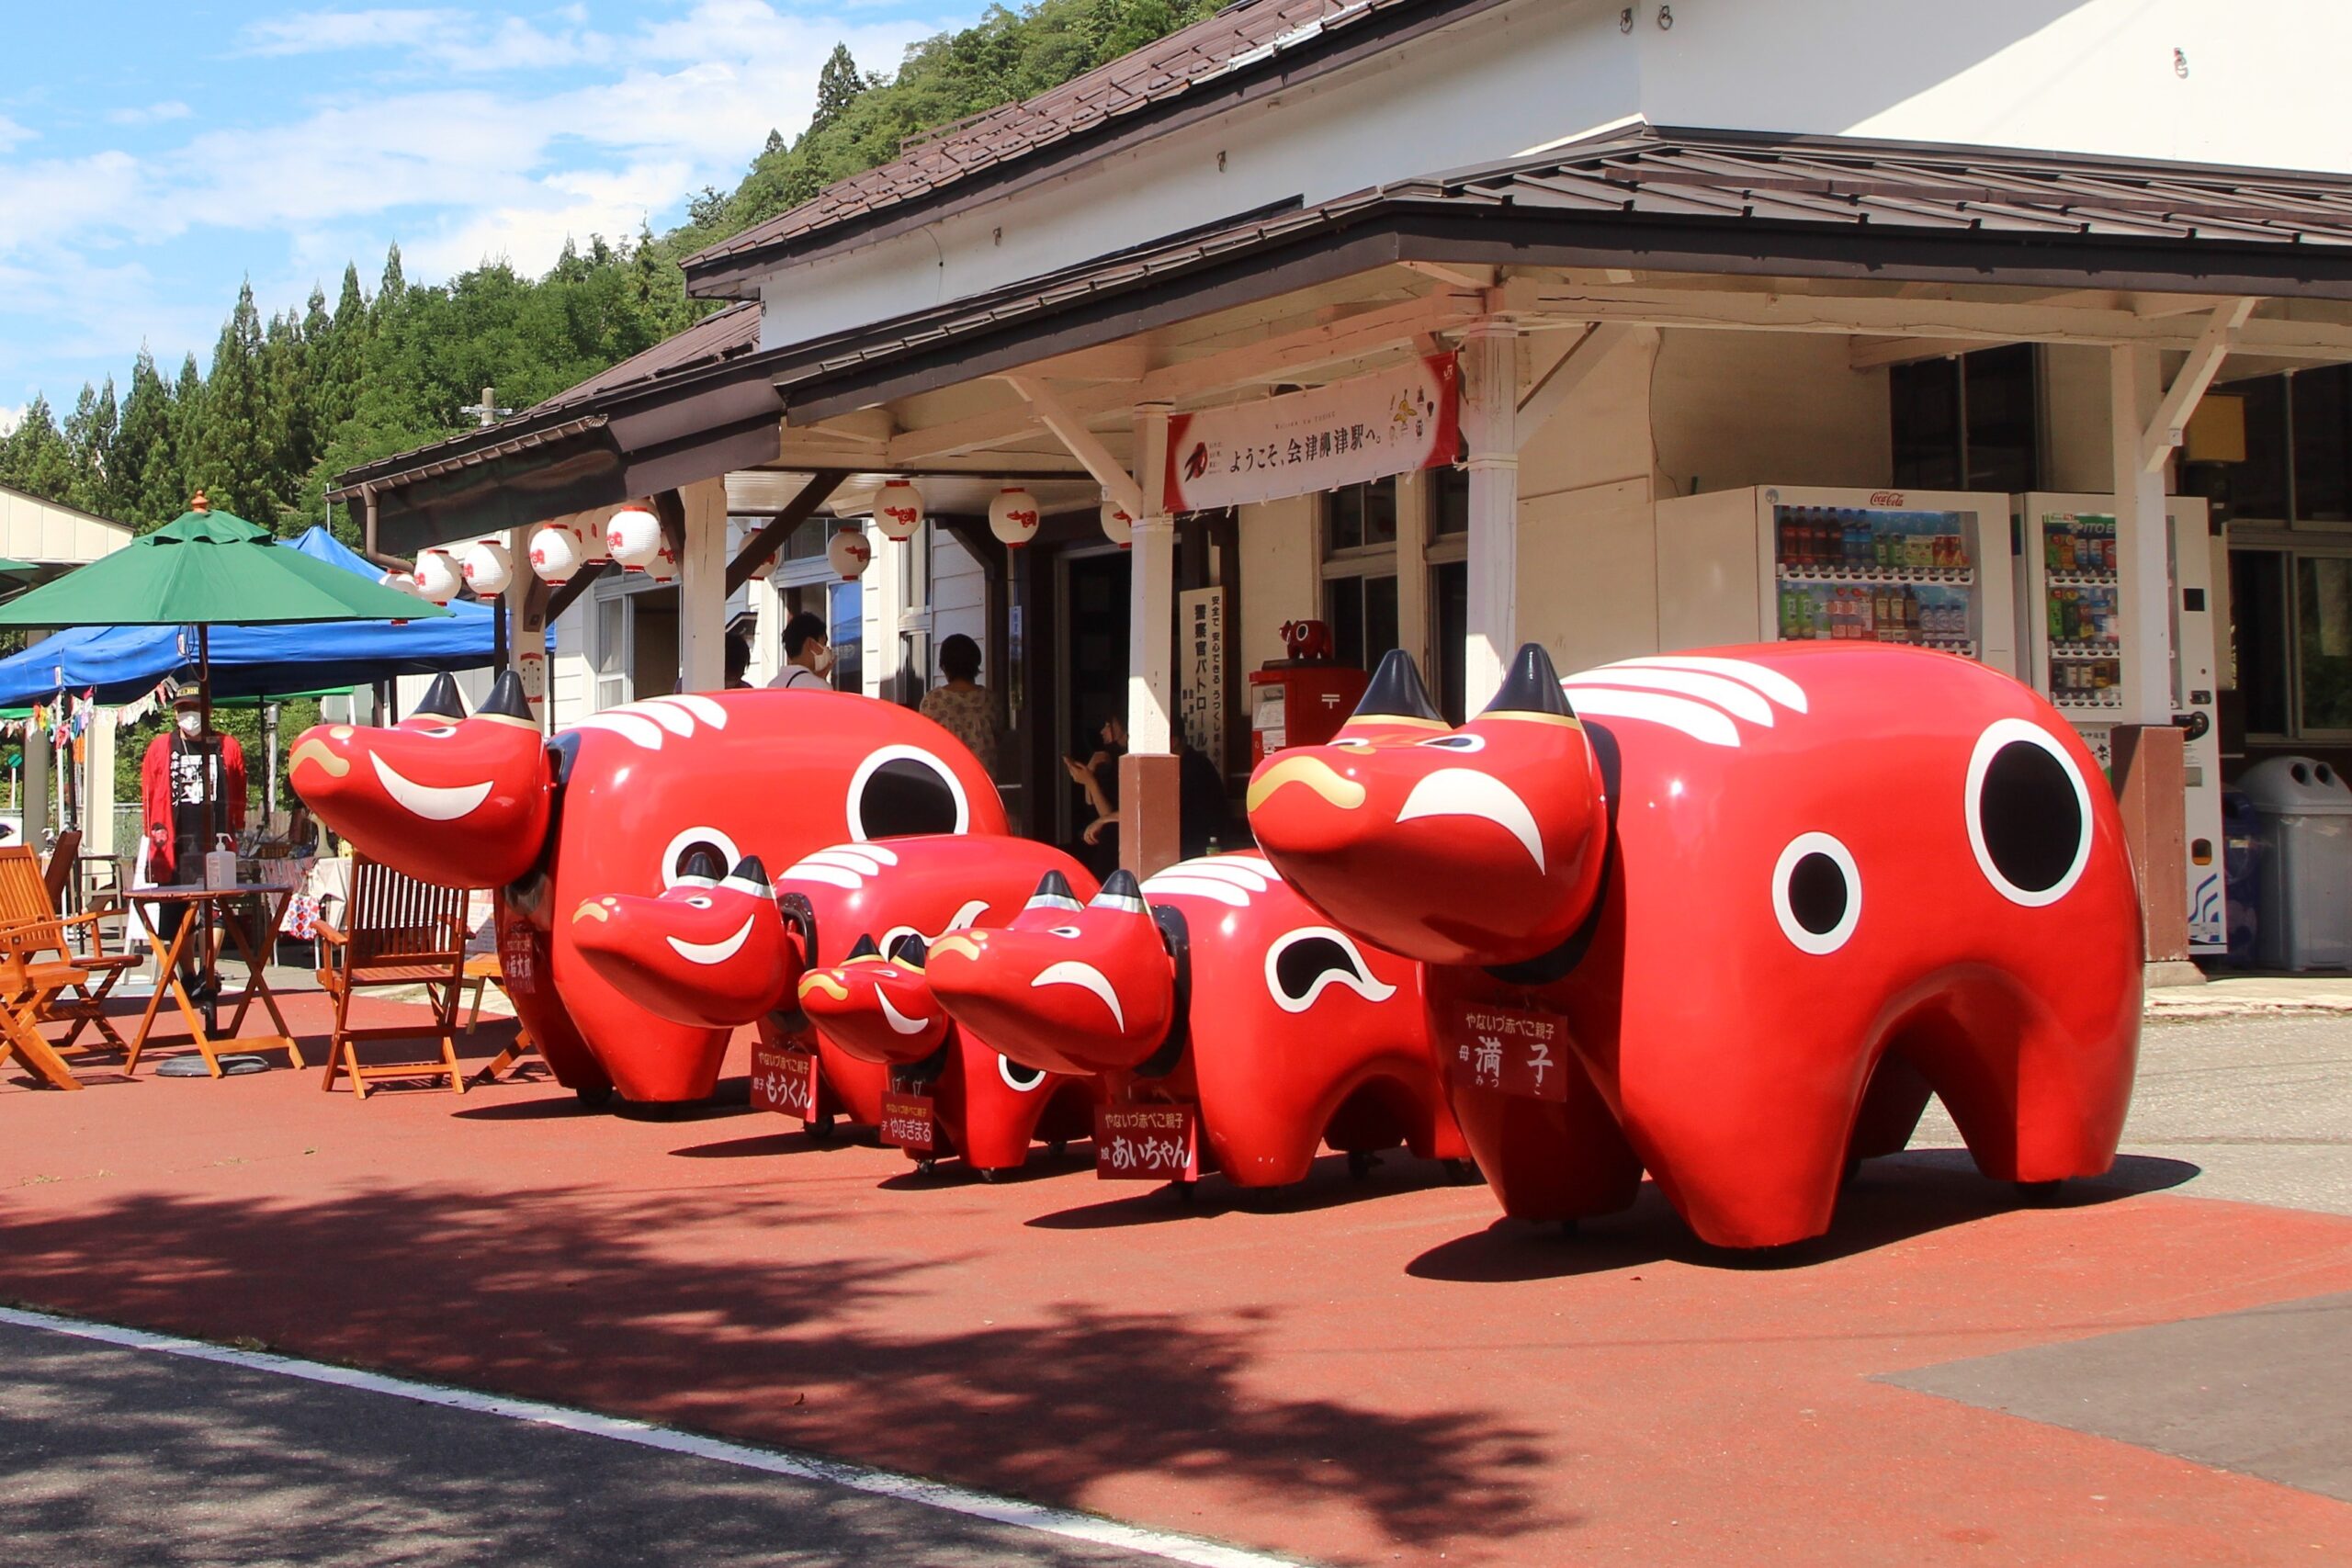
(151, 154)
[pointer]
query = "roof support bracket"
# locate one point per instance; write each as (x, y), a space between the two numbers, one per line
(1118, 486)
(2212, 346)
(777, 529)
(1601, 341)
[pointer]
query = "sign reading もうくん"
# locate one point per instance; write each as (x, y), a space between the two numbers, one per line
(785, 1080)
(1321, 439)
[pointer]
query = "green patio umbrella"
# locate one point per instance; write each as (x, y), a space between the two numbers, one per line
(201, 568)
(16, 567)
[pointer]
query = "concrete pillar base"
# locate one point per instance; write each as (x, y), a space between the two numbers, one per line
(2168, 973)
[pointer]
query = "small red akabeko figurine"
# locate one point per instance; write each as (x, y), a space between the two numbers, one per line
(1217, 1004)
(867, 1042)
(1732, 916)
(625, 803)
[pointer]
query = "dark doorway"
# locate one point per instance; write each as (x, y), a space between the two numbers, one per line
(1093, 674)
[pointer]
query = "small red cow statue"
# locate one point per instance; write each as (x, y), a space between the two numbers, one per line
(1732, 916)
(1216, 1002)
(864, 1041)
(623, 802)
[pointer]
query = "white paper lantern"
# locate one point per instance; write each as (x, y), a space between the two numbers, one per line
(489, 567)
(897, 510)
(849, 552)
(1013, 515)
(555, 553)
(400, 582)
(589, 529)
(633, 537)
(1117, 527)
(438, 577)
(663, 567)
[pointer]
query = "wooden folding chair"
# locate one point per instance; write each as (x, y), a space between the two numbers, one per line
(395, 932)
(33, 933)
(31, 988)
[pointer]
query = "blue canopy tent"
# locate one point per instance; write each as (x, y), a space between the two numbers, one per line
(121, 663)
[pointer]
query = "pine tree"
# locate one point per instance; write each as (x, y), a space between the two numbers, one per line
(35, 459)
(838, 86)
(233, 458)
(90, 440)
(147, 465)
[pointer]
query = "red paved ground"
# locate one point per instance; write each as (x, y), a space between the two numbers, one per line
(1361, 1373)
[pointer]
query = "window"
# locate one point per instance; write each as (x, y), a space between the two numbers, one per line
(611, 652)
(2290, 641)
(2298, 467)
(1360, 570)
(1968, 422)
(846, 631)
(1449, 624)
(1449, 502)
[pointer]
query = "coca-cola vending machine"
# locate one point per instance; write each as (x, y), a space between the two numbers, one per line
(1304, 699)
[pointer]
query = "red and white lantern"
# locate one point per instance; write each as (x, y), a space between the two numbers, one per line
(849, 552)
(663, 567)
(1117, 527)
(1013, 516)
(488, 567)
(401, 582)
(556, 553)
(438, 577)
(897, 510)
(633, 537)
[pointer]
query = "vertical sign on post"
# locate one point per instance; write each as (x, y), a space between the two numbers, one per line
(1200, 662)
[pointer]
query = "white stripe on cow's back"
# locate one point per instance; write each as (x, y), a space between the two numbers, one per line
(845, 866)
(1229, 879)
(1703, 696)
(644, 724)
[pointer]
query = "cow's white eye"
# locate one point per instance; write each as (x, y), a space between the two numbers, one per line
(902, 790)
(699, 857)
(1018, 1079)
(1065, 932)
(1816, 893)
(2029, 813)
(1455, 742)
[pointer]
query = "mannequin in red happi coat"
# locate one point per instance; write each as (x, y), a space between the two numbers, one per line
(171, 791)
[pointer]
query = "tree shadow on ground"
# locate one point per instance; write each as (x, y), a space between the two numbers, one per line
(1328, 1185)
(1893, 1200)
(656, 1303)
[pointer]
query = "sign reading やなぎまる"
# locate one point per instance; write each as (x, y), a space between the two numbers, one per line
(1321, 439)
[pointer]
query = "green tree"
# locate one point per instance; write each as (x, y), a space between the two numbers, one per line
(90, 440)
(36, 457)
(233, 458)
(838, 86)
(146, 462)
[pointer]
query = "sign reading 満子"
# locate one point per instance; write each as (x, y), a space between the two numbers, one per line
(1367, 428)
(1511, 1050)
(1146, 1143)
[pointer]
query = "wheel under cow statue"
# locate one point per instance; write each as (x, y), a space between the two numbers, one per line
(625, 802)
(1220, 1010)
(845, 1028)
(1732, 916)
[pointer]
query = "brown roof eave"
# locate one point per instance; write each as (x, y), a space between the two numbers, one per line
(1378, 233)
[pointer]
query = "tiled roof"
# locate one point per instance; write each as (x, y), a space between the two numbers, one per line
(719, 336)
(1244, 35)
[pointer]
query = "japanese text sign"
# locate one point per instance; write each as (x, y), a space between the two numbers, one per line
(908, 1122)
(1518, 1051)
(784, 1079)
(1146, 1143)
(1200, 665)
(1321, 439)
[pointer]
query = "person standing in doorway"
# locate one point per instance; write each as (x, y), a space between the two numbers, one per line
(961, 705)
(807, 655)
(181, 765)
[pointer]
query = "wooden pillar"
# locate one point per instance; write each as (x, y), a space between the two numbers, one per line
(1489, 417)
(1147, 802)
(2143, 575)
(525, 606)
(2148, 763)
(702, 585)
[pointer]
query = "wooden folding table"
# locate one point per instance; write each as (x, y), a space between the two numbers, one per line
(222, 902)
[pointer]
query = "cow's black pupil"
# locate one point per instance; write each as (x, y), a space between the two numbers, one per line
(1817, 893)
(2031, 817)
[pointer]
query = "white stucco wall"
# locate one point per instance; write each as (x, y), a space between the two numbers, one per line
(1734, 409)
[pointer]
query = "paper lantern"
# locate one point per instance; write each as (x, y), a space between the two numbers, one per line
(438, 577)
(401, 582)
(589, 529)
(488, 567)
(663, 567)
(1117, 527)
(633, 537)
(1013, 515)
(555, 553)
(849, 552)
(897, 510)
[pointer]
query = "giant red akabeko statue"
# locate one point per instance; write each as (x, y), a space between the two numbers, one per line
(1731, 915)
(628, 801)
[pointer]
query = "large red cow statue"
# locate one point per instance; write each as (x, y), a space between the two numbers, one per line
(1212, 990)
(1733, 916)
(718, 951)
(623, 802)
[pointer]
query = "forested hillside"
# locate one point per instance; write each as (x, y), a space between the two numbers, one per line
(290, 400)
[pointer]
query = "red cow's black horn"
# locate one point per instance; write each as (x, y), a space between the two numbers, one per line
(506, 699)
(440, 701)
(1531, 685)
(1397, 690)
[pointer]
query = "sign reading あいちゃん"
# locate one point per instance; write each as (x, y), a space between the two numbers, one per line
(1321, 439)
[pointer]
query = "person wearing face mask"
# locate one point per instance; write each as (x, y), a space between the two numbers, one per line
(808, 656)
(173, 778)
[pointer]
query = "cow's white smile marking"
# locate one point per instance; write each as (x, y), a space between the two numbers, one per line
(435, 804)
(1465, 792)
(712, 951)
(897, 1020)
(1086, 977)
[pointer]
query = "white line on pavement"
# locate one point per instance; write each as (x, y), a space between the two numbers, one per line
(1008, 1511)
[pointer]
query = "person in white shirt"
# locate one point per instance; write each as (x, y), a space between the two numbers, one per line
(808, 656)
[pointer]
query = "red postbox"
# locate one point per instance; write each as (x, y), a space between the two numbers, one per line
(1304, 699)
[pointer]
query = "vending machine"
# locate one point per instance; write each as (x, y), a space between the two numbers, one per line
(1928, 568)
(2076, 654)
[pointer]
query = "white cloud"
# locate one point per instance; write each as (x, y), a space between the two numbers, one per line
(325, 32)
(150, 114)
(11, 133)
(450, 40)
(10, 419)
